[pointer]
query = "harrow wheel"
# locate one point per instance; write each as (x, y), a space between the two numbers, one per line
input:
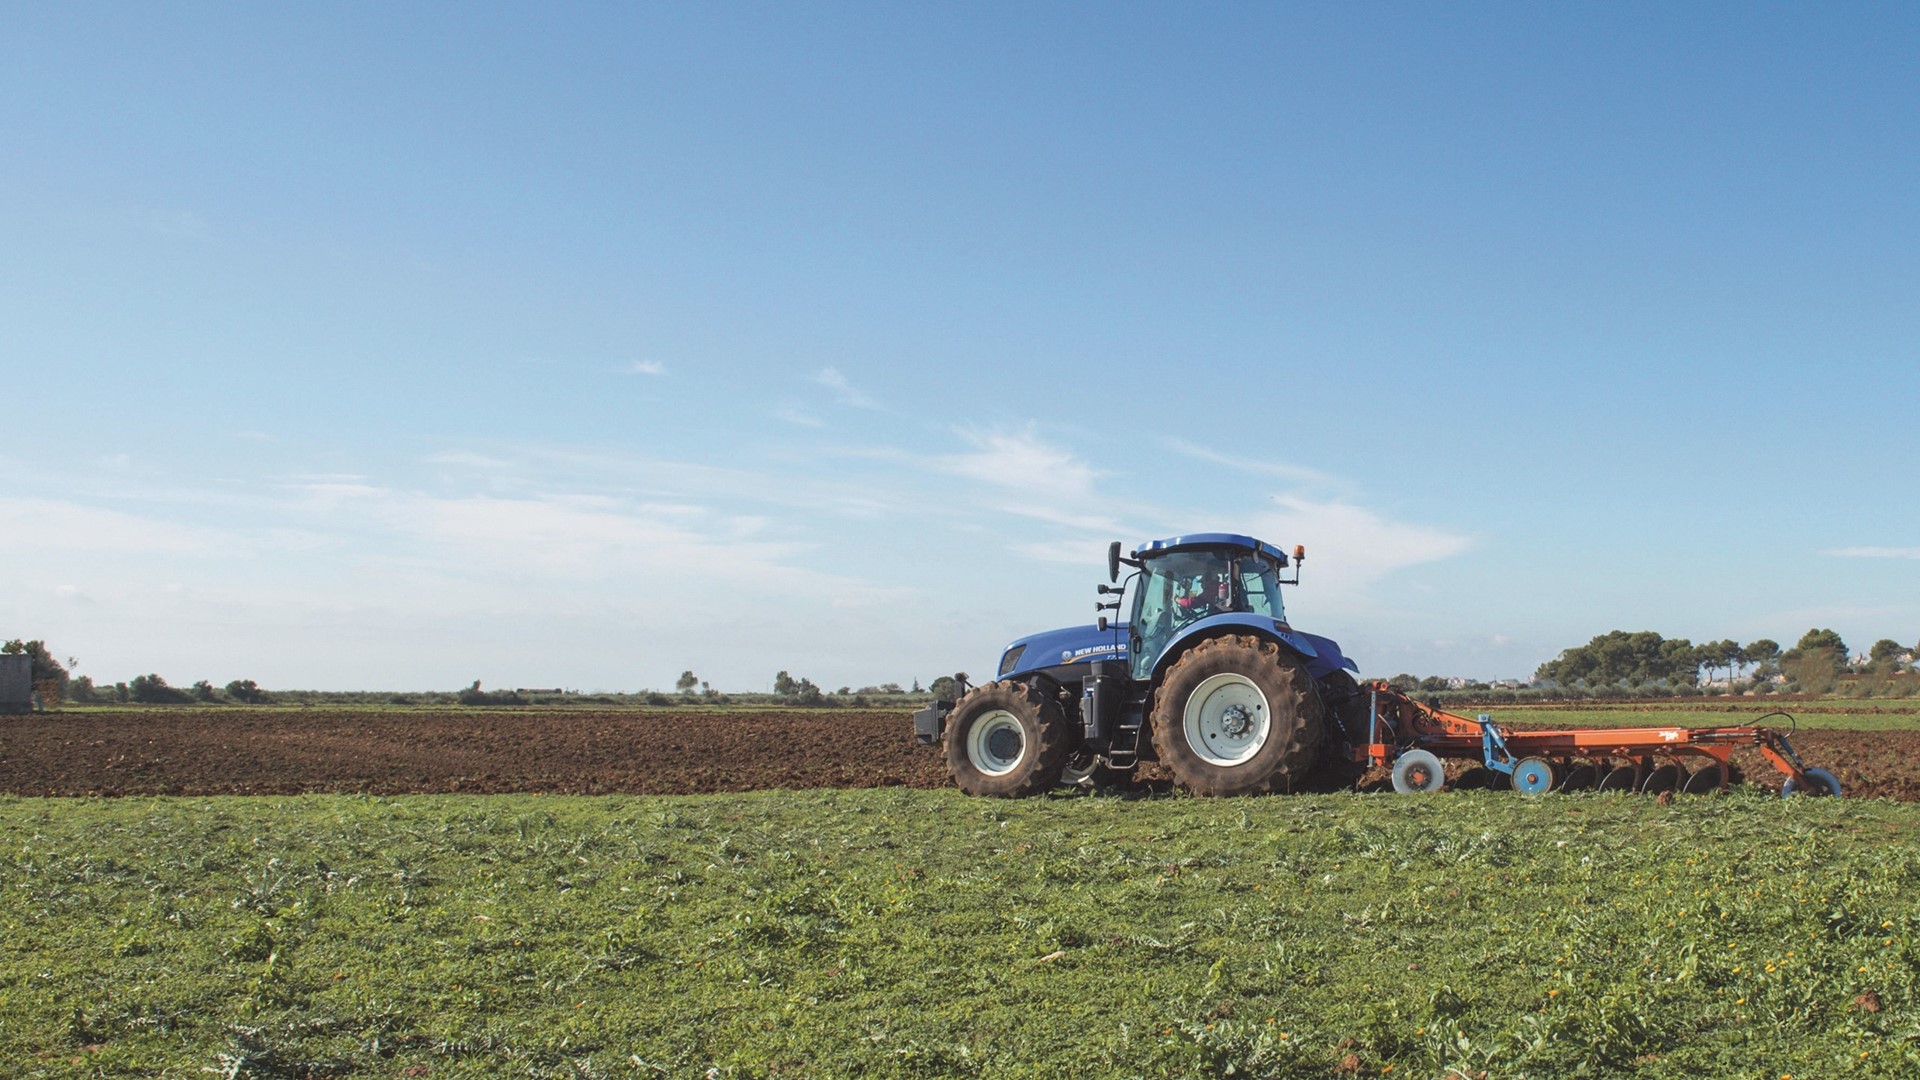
(1819, 782)
(1620, 778)
(1237, 716)
(1704, 782)
(1533, 776)
(1417, 771)
(1006, 739)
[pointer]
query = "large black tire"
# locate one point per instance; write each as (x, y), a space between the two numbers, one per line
(1008, 740)
(1237, 716)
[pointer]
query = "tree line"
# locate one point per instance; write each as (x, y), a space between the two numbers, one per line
(1817, 663)
(53, 682)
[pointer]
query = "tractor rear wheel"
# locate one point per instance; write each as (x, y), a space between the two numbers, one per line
(1006, 739)
(1237, 716)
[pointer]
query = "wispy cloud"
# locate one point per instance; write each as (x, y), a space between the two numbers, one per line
(1020, 460)
(1037, 480)
(1251, 464)
(1356, 546)
(35, 527)
(793, 414)
(843, 391)
(1875, 552)
(646, 367)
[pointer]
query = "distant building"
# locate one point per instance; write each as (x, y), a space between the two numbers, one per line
(16, 683)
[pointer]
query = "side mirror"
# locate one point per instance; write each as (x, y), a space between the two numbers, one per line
(1113, 561)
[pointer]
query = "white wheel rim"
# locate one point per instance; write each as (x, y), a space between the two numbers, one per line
(1404, 767)
(1227, 720)
(996, 743)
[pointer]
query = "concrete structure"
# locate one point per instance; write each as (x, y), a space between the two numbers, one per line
(16, 684)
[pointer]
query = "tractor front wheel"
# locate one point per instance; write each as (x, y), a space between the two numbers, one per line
(1236, 716)
(1006, 739)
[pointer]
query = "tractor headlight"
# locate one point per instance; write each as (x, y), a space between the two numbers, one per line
(1011, 658)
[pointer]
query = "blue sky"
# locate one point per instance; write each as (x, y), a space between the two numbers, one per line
(362, 347)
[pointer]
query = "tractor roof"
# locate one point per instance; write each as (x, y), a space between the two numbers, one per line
(1200, 540)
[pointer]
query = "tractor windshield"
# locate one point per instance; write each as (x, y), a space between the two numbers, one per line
(1183, 587)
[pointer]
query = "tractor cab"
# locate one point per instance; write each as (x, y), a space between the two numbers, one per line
(1189, 578)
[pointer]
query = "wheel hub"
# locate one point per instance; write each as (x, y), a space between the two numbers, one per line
(996, 743)
(1236, 721)
(1004, 744)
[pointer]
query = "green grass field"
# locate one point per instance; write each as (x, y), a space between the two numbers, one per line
(912, 933)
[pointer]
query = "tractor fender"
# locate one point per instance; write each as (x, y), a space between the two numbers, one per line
(1239, 622)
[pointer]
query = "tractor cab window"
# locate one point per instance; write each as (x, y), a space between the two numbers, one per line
(1260, 584)
(1185, 587)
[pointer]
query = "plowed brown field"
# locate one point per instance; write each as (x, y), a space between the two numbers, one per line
(253, 752)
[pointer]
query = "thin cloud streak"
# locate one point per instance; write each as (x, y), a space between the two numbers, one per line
(843, 391)
(795, 415)
(1874, 552)
(1301, 473)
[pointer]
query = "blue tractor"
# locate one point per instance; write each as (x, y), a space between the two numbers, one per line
(1204, 675)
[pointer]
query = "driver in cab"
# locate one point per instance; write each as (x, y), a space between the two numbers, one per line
(1209, 594)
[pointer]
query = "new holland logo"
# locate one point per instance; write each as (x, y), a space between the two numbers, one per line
(1092, 652)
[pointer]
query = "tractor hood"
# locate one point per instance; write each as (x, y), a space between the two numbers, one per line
(1063, 648)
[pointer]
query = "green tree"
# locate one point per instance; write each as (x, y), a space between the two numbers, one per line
(1816, 661)
(943, 687)
(1719, 655)
(153, 690)
(203, 692)
(247, 692)
(1821, 641)
(1620, 657)
(1885, 655)
(1763, 653)
(686, 683)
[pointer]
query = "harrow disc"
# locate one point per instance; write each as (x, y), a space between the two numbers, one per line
(1621, 778)
(1473, 779)
(1663, 779)
(1704, 782)
(1581, 778)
